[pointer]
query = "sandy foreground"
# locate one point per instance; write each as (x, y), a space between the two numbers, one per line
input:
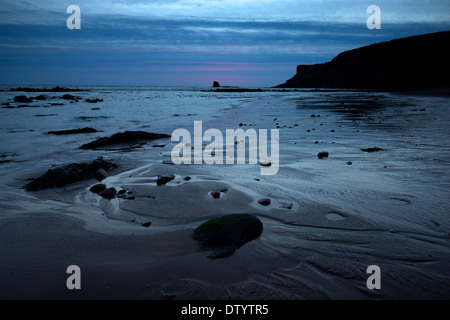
(327, 222)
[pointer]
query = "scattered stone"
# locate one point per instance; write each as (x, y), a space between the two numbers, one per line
(73, 131)
(187, 178)
(316, 142)
(374, 149)
(313, 115)
(287, 206)
(56, 104)
(224, 235)
(98, 188)
(332, 130)
(264, 201)
(109, 193)
(146, 224)
(215, 194)
(349, 163)
(124, 137)
(322, 155)
(22, 99)
(162, 180)
(423, 109)
(95, 108)
(241, 124)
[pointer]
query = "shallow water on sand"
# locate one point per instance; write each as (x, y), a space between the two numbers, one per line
(328, 218)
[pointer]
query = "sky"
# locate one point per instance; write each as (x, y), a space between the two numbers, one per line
(247, 43)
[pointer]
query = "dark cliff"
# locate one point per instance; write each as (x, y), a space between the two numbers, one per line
(407, 63)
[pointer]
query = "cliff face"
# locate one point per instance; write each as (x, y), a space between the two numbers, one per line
(414, 62)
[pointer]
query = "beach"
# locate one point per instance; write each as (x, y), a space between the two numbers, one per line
(380, 197)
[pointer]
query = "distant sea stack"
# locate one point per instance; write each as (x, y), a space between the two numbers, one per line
(216, 84)
(407, 63)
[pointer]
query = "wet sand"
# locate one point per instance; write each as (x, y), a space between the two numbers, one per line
(327, 221)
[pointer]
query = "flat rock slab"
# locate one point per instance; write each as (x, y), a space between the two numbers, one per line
(224, 235)
(67, 174)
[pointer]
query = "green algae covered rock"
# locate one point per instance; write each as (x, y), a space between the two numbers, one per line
(224, 235)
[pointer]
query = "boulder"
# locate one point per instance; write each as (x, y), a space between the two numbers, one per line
(98, 188)
(109, 193)
(224, 235)
(22, 99)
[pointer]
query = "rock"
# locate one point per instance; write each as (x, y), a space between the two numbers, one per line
(100, 174)
(126, 137)
(313, 115)
(109, 193)
(374, 149)
(67, 174)
(94, 100)
(22, 99)
(41, 97)
(349, 163)
(265, 163)
(146, 224)
(162, 180)
(215, 194)
(216, 84)
(55, 89)
(187, 178)
(97, 188)
(264, 201)
(224, 235)
(69, 97)
(413, 62)
(322, 155)
(73, 131)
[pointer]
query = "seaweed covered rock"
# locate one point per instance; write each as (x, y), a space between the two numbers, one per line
(224, 235)
(67, 174)
(127, 137)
